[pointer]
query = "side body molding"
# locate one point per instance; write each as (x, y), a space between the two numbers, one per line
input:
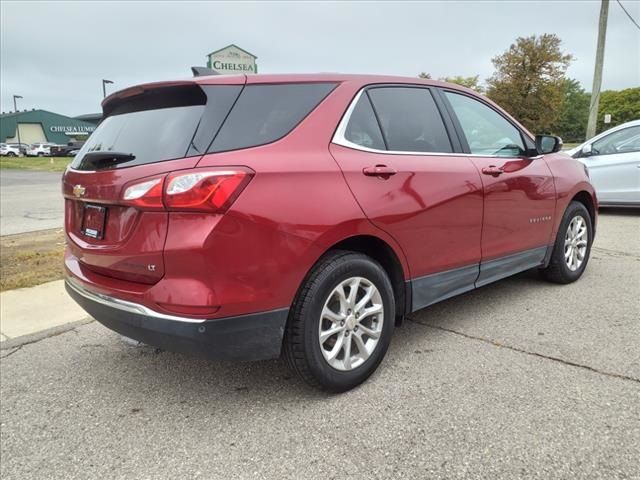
(439, 286)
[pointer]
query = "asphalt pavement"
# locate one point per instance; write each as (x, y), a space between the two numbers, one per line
(30, 201)
(520, 379)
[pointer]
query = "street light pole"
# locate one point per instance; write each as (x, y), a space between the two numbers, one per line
(597, 73)
(15, 108)
(104, 89)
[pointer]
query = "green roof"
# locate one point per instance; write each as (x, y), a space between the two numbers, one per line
(232, 45)
(53, 125)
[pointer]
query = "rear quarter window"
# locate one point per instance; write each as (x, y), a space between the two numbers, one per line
(265, 113)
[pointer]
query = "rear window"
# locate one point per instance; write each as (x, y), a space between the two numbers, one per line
(176, 122)
(162, 124)
(266, 113)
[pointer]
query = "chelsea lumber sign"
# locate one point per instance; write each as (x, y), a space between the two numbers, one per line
(232, 59)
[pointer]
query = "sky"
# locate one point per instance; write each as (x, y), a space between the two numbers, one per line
(55, 54)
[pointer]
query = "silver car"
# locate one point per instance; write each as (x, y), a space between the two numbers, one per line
(613, 160)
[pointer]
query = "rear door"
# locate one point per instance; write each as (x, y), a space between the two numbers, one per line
(614, 166)
(153, 130)
(399, 159)
(519, 192)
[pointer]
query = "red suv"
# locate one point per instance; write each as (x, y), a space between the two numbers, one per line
(242, 217)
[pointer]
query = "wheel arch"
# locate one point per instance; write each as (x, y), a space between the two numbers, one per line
(587, 200)
(385, 255)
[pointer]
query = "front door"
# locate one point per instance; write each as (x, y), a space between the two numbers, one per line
(519, 192)
(396, 155)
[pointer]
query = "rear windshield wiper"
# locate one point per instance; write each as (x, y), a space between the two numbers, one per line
(105, 159)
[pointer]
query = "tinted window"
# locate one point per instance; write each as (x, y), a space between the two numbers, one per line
(487, 132)
(410, 119)
(622, 141)
(162, 124)
(363, 128)
(266, 113)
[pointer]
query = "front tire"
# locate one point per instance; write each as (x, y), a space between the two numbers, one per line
(572, 247)
(341, 322)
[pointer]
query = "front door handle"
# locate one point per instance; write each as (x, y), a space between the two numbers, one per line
(492, 170)
(379, 171)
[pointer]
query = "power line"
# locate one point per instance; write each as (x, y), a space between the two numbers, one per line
(628, 14)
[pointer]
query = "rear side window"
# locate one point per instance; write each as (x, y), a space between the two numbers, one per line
(363, 128)
(266, 113)
(410, 119)
(487, 132)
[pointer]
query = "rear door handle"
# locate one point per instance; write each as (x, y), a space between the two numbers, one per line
(492, 170)
(379, 171)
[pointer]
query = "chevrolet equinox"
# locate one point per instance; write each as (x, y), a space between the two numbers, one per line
(245, 217)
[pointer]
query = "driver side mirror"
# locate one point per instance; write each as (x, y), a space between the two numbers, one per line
(548, 144)
(586, 150)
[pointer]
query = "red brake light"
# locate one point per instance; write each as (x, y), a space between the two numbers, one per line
(205, 189)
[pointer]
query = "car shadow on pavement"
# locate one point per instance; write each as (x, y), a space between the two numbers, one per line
(628, 212)
(175, 375)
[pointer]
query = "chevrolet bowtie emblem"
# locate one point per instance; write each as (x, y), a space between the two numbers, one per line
(79, 190)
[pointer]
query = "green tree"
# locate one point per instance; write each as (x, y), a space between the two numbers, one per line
(528, 80)
(571, 123)
(622, 105)
(469, 82)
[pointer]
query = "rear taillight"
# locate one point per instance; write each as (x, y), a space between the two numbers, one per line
(199, 189)
(146, 194)
(205, 189)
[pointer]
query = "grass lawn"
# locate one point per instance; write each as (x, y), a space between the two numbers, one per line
(29, 259)
(46, 164)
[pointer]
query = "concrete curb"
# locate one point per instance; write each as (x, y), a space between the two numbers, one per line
(27, 311)
(41, 335)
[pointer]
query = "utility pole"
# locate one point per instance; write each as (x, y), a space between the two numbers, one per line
(597, 73)
(15, 109)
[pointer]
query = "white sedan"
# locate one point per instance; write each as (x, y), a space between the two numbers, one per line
(613, 160)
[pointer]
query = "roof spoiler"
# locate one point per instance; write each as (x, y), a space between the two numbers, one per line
(203, 71)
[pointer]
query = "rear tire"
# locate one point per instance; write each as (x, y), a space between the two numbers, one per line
(355, 331)
(11, 154)
(572, 247)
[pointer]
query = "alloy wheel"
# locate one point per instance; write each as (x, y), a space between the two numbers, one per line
(575, 243)
(351, 323)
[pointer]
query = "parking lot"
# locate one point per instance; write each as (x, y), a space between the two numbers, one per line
(31, 201)
(520, 379)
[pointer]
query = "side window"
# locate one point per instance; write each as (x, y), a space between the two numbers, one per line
(622, 141)
(363, 128)
(410, 120)
(487, 132)
(265, 113)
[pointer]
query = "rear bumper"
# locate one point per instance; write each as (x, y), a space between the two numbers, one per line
(256, 336)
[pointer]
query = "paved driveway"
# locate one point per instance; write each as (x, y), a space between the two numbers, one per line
(521, 379)
(30, 201)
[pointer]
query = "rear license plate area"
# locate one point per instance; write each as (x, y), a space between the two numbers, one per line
(93, 221)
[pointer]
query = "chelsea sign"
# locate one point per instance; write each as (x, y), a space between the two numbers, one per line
(232, 59)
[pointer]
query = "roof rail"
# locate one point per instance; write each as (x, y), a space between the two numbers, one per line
(203, 71)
